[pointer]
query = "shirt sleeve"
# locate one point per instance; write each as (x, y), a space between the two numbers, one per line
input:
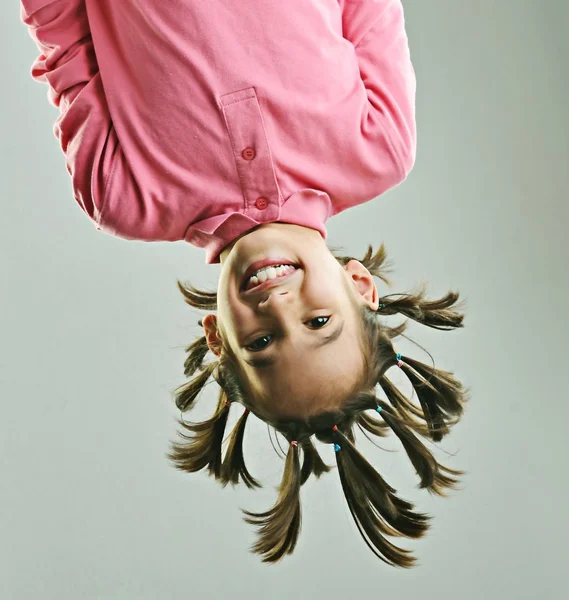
(376, 28)
(67, 63)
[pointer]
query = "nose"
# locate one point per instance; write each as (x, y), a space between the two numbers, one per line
(275, 300)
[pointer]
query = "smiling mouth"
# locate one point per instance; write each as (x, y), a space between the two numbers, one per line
(255, 267)
(270, 283)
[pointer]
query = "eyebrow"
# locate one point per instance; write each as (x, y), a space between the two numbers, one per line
(259, 363)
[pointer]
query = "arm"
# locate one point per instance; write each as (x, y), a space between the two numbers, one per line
(376, 28)
(67, 63)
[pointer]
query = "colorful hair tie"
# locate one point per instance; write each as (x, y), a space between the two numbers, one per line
(294, 443)
(335, 428)
(247, 411)
(399, 361)
(337, 447)
(379, 409)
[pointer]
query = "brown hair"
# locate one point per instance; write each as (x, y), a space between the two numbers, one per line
(376, 509)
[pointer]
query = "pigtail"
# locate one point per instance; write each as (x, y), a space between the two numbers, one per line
(234, 463)
(196, 352)
(312, 462)
(187, 393)
(196, 298)
(451, 393)
(405, 409)
(204, 448)
(377, 264)
(400, 403)
(280, 526)
(436, 314)
(366, 423)
(431, 473)
(440, 395)
(375, 508)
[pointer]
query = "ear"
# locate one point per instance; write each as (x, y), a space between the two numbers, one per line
(363, 282)
(209, 323)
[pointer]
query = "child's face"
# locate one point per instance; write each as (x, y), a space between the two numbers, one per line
(303, 371)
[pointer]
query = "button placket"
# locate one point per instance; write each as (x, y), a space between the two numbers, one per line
(252, 154)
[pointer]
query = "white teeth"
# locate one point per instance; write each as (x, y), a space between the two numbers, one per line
(267, 273)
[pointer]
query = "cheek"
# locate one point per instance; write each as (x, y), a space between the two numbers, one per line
(233, 315)
(224, 299)
(326, 288)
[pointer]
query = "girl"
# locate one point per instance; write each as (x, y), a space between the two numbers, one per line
(241, 128)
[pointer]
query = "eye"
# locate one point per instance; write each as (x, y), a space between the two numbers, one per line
(320, 325)
(255, 348)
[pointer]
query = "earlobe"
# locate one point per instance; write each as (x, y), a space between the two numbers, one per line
(364, 283)
(209, 323)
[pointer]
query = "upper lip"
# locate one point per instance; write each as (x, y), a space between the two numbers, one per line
(270, 283)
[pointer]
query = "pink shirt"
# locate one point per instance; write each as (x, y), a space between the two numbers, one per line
(198, 120)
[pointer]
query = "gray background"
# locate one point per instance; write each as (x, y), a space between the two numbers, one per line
(94, 330)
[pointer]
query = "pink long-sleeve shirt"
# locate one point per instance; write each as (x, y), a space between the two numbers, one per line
(199, 120)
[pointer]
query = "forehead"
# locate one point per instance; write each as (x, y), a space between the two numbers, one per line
(309, 382)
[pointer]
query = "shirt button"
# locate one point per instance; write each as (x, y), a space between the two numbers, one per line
(261, 203)
(248, 153)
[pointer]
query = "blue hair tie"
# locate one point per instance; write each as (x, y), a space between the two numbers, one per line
(379, 409)
(337, 447)
(399, 361)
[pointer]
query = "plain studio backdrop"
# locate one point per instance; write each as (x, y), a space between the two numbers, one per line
(93, 333)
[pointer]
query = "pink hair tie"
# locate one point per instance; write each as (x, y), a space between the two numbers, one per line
(294, 443)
